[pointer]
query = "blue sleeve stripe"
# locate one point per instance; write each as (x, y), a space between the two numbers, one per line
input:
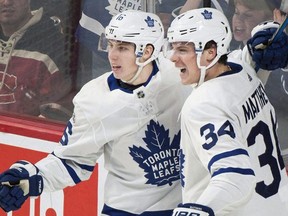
(234, 170)
(225, 155)
(82, 166)
(86, 167)
(72, 172)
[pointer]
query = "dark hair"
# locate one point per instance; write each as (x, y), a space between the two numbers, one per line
(211, 44)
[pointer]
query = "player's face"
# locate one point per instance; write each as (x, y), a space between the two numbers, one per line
(14, 12)
(185, 58)
(122, 59)
(244, 20)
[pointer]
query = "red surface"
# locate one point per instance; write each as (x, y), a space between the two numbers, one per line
(32, 127)
(79, 200)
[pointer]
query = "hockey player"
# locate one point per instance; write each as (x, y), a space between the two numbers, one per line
(230, 159)
(131, 116)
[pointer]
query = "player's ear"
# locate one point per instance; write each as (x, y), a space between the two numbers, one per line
(148, 52)
(211, 53)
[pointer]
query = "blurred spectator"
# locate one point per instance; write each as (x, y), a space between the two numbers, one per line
(34, 69)
(243, 15)
(248, 14)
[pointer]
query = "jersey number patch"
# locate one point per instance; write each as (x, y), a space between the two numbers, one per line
(265, 159)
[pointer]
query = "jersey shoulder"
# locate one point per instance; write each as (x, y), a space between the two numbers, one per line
(227, 90)
(94, 95)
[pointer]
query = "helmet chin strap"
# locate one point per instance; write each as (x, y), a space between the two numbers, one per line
(203, 69)
(139, 70)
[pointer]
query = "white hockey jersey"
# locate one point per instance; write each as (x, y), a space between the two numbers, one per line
(139, 134)
(230, 159)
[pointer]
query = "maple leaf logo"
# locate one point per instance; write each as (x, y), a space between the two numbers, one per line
(149, 21)
(207, 14)
(161, 161)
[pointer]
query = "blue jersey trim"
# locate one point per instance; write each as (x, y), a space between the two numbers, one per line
(86, 167)
(225, 155)
(235, 68)
(114, 84)
(116, 212)
(233, 170)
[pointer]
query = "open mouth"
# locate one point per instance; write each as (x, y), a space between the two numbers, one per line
(115, 67)
(182, 70)
(238, 30)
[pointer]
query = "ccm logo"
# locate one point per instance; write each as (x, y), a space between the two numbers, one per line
(185, 213)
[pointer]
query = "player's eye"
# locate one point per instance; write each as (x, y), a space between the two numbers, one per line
(182, 50)
(122, 48)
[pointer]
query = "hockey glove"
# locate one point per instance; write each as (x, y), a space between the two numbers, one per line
(268, 56)
(192, 209)
(18, 183)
